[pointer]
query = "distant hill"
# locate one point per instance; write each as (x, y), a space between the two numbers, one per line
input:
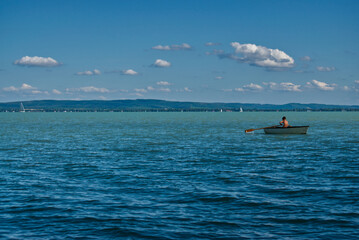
(162, 105)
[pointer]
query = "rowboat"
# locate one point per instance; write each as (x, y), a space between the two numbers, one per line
(288, 130)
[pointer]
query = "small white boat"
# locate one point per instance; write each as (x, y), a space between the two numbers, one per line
(288, 130)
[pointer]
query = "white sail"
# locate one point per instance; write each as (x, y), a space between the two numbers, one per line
(241, 110)
(22, 109)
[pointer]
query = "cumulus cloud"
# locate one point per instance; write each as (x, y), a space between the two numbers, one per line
(89, 73)
(183, 46)
(250, 87)
(161, 63)
(163, 83)
(25, 86)
(325, 69)
(89, 89)
(37, 62)
(262, 56)
(321, 85)
(284, 86)
(129, 72)
(24, 89)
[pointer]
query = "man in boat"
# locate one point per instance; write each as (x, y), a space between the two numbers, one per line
(284, 122)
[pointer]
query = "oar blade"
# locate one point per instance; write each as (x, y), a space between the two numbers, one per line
(249, 130)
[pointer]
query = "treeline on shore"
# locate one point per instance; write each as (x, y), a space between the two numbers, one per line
(151, 105)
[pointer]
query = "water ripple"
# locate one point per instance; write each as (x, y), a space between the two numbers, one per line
(177, 175)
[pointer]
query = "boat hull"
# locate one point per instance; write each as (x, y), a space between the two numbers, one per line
(288, 130)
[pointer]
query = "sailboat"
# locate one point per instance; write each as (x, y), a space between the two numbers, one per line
(240, 109)
(22, 109)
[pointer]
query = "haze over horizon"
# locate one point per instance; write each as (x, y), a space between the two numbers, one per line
(274, 52)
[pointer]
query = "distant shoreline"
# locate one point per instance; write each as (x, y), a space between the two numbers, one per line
(153, 105)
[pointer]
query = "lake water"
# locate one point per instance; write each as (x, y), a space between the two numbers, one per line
(178, 176)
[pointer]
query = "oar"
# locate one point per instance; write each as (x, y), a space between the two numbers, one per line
(251, 130)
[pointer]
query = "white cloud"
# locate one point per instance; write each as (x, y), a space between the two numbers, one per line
(284, 86)
(150, 88)
(164, 90)
(321, 85)
(85, 73)
(250, 87)
(140, 90)
(55, 91)
(161, 47)
(161, 63)
(25, 89)
(212, 44)
(25, 86)
(89, 89)
(129, 72)
(236, 89)
(37, 62)
(219, 77)
(89, 73)
(183, 46)
(96, 72)
(10, 89)
(163, 83)
(186, 89)
(262, 56)
(94, 89)
(325, 69)
(39, 92)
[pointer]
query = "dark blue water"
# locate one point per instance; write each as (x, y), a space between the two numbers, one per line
(178, 176)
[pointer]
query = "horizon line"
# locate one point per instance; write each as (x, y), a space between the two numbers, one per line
(149, 99)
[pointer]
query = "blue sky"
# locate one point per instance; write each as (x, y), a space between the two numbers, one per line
(210, 51)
